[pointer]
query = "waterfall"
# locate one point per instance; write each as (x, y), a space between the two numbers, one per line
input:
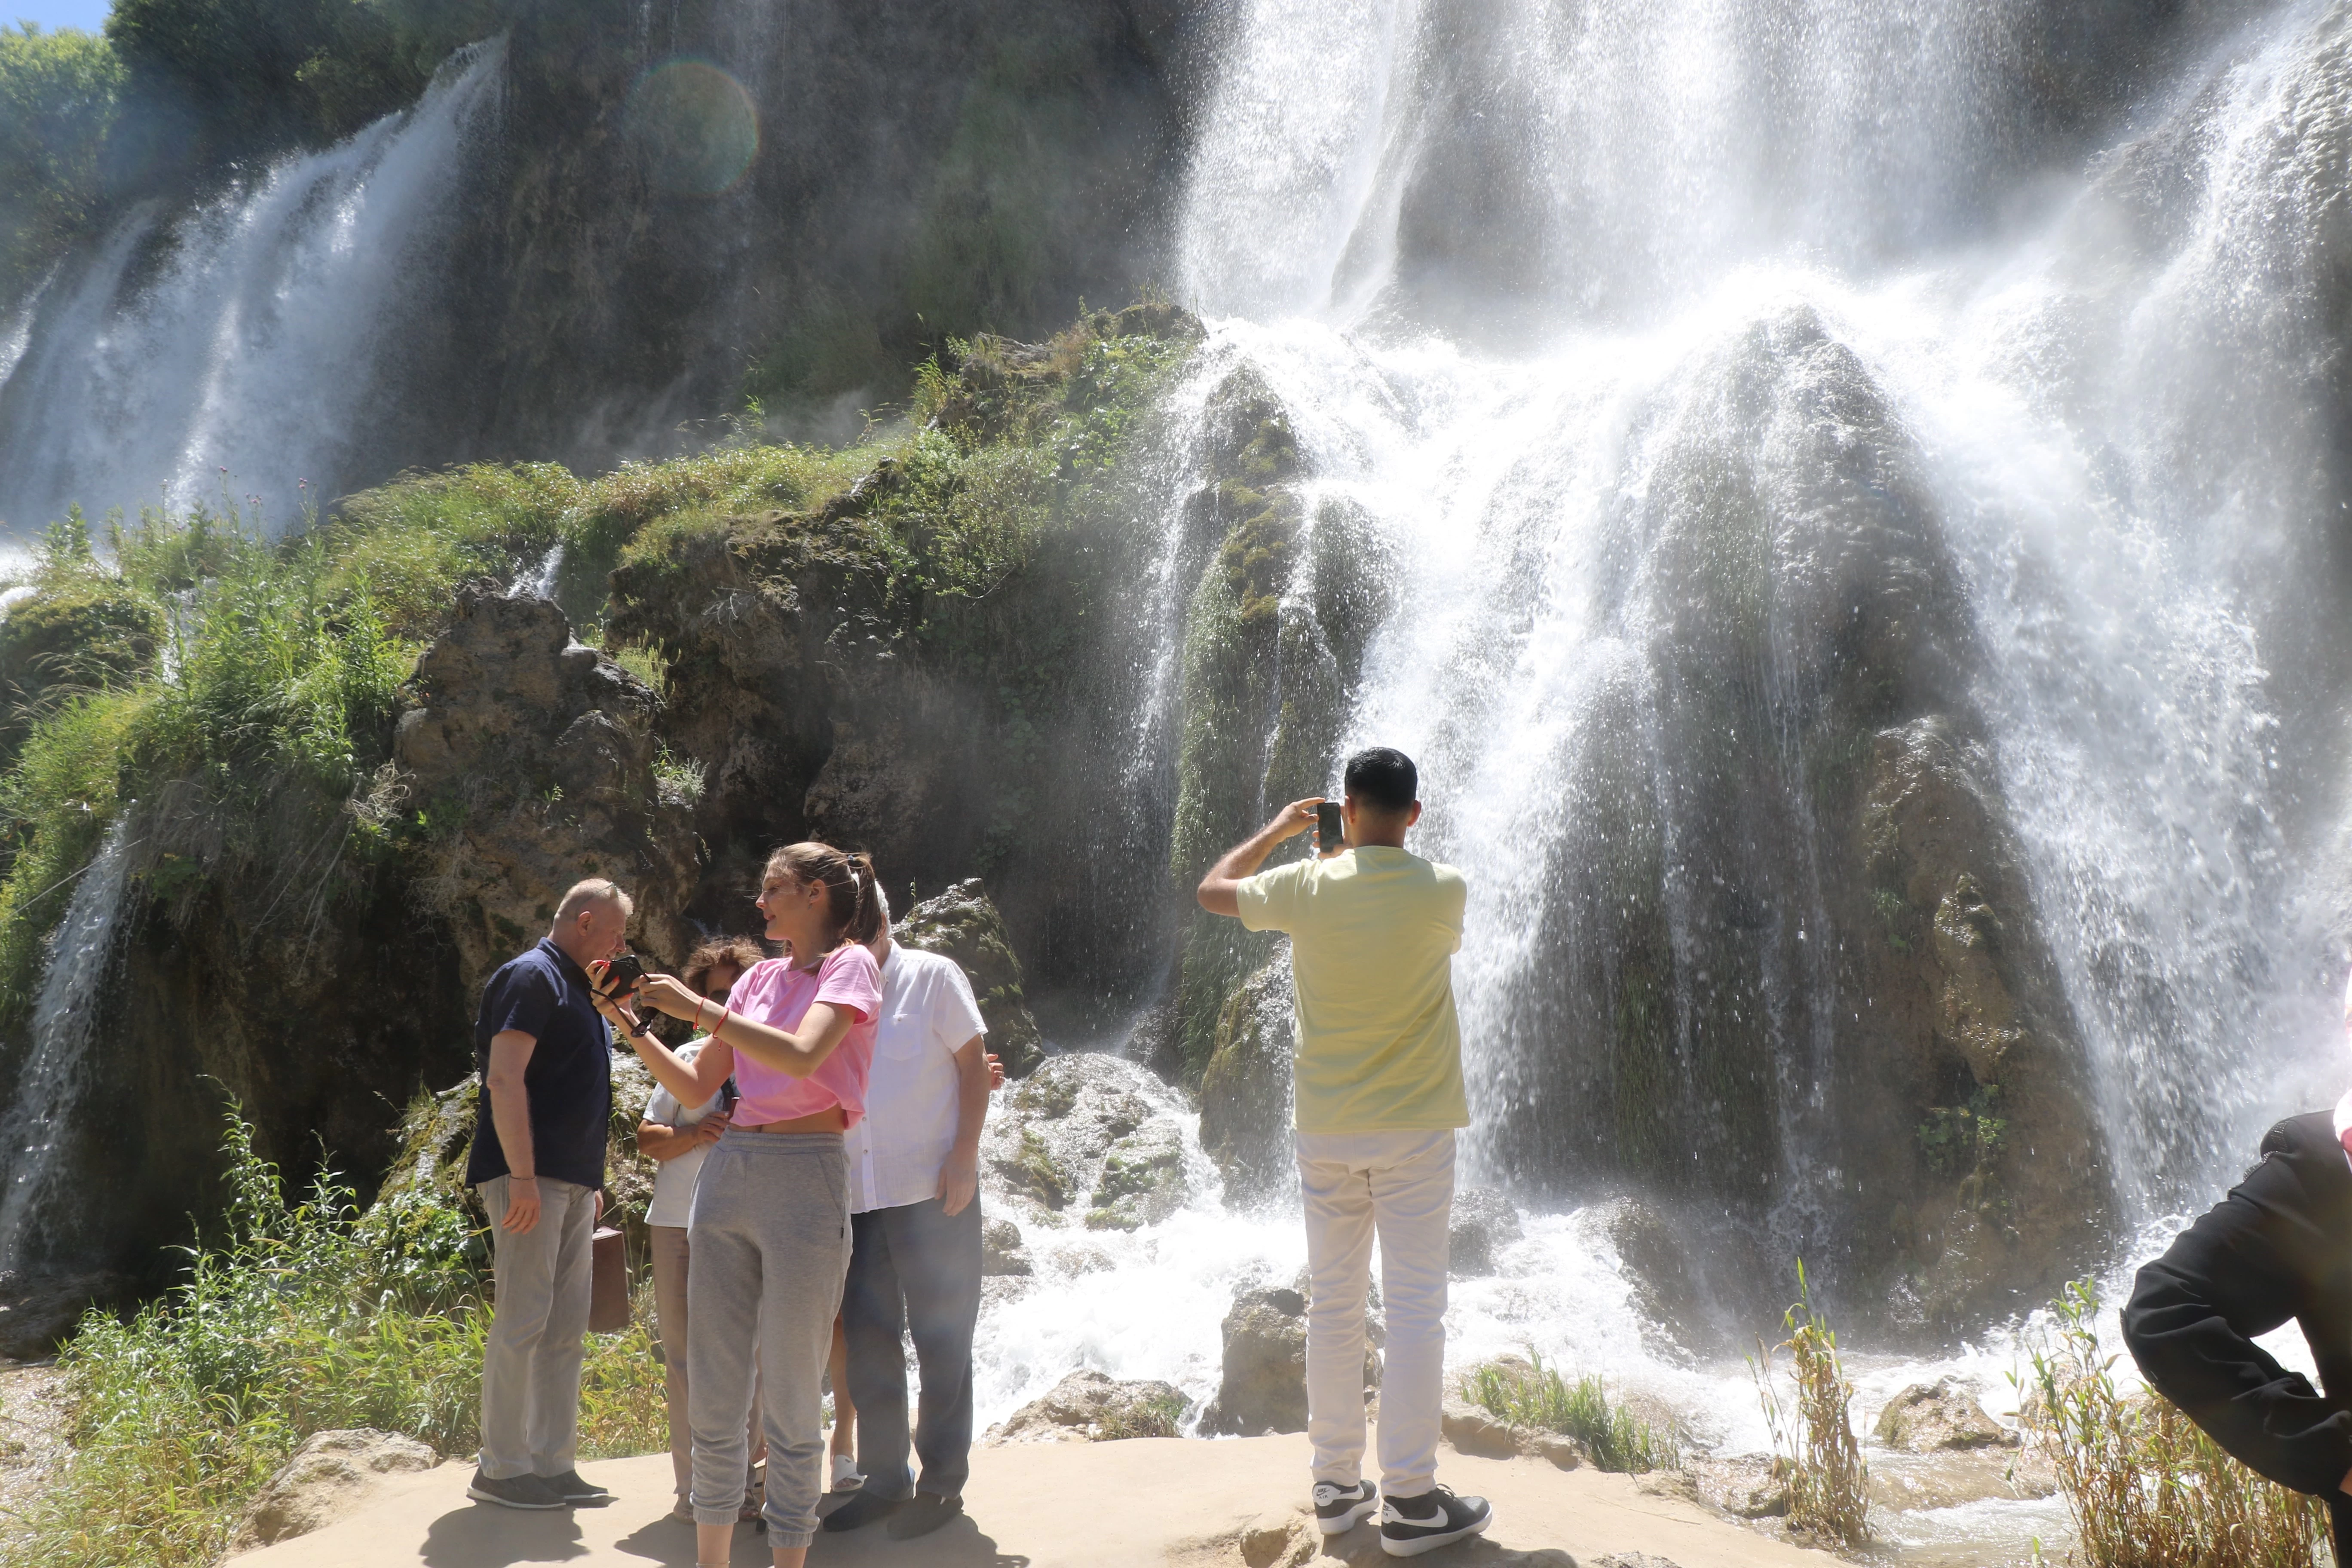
(232, 350)
(1653, 341)
(52, 1089)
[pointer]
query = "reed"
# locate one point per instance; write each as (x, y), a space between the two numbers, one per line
(1828, 1482)
(2145, 1488)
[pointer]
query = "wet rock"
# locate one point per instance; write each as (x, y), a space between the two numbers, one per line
(1245, 1117)
(1263, 1386)
(1955, 1478)
(1927, 1417)
(1748, 1486)
(330, 1476)
(1088, 1134)
(2006, 1155)
(1088, 1406)
(1142, 1180)
(530, 759)
(962, 924)
(1000, 1249)
(1656, 1256)
(1484, 1223)
(38, 1313)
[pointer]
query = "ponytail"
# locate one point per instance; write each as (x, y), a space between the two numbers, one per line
(852, 899)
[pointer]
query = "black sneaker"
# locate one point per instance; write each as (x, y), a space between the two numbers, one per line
(862, 1510)
(1412, 1525)
(1337, 1508)
(574, 1488)
(921, 1514)
(515, 1491)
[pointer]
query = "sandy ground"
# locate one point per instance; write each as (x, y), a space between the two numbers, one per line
(32, 1434)
(1174, 1502)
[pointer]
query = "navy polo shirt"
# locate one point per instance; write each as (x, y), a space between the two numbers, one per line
(570, 1077)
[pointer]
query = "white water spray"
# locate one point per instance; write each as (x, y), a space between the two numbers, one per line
(233, 350)
(52, 1090)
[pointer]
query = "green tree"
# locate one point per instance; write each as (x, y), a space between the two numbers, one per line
(256, 76)
(59, 95)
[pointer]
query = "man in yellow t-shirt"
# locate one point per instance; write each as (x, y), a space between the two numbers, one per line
(1377, 1074)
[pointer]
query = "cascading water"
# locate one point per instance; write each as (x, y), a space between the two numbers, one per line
(1798, 316)
(52, 1086)
(233, 349)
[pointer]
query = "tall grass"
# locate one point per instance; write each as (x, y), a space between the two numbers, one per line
(2145, 1488)
(302, 1317)
(1538, 1396)
(1828, 1482)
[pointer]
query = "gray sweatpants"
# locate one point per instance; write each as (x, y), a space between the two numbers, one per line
(531, 1362)
(768, 1245)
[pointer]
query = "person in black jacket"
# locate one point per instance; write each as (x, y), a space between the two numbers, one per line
(2279, 1247)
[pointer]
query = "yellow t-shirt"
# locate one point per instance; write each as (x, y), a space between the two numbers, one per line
(1373, 932)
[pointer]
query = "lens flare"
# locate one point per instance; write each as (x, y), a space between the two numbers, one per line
(696, 127)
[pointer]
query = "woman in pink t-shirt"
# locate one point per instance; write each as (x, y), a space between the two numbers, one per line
(768, 1236)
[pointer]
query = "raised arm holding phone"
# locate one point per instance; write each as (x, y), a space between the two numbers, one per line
(768, 1234)
(1377, 1074)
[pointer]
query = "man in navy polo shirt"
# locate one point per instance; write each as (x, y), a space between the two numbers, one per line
(545, 1057)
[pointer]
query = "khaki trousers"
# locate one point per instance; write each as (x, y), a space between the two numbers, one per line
(531, 1362)
(1399, 1187)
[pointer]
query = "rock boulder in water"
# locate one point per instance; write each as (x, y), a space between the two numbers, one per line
(1263, 1386)
(1000, 1249)
(1246, 1118)
(1088, 1406)
(962, 924)
(1090, 1135)
(1484, 1223)
(1927, 1418)
(330, 1475)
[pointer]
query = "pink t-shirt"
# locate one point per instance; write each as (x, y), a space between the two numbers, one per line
(776, 994)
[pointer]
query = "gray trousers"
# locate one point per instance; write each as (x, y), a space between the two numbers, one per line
(768, 1245)
(670, 1254)
(530, 1361)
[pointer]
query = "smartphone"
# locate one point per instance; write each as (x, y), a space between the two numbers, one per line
(1330, 828)
(616, 978)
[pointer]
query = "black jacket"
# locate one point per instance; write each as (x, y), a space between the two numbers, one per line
(2279, 1247)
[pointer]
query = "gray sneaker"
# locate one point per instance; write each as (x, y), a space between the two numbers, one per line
(515, 1491)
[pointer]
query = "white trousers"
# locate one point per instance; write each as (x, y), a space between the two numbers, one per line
(1399, 1187)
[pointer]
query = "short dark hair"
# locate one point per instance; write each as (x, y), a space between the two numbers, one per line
(1383, 778)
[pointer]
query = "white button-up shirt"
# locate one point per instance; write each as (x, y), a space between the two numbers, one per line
(911, 1100)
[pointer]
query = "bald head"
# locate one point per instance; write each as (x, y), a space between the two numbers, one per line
(592, 920)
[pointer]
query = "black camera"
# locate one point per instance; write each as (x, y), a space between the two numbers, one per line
(615, 978)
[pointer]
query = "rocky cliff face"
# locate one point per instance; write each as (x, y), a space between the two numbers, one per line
(526, 762)
(798, 200)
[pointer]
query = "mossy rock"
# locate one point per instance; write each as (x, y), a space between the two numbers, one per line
(84, 632)
(962, 924)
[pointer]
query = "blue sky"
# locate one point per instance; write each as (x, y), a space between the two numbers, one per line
(90, 15)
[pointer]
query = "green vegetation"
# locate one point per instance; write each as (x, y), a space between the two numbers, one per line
(1829, 1485)
(258, 75)
(60, 96)
(300, 1317)
(1538, 1396)
(2145, 1488)
(1956, 1138)
(1153, 1415)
